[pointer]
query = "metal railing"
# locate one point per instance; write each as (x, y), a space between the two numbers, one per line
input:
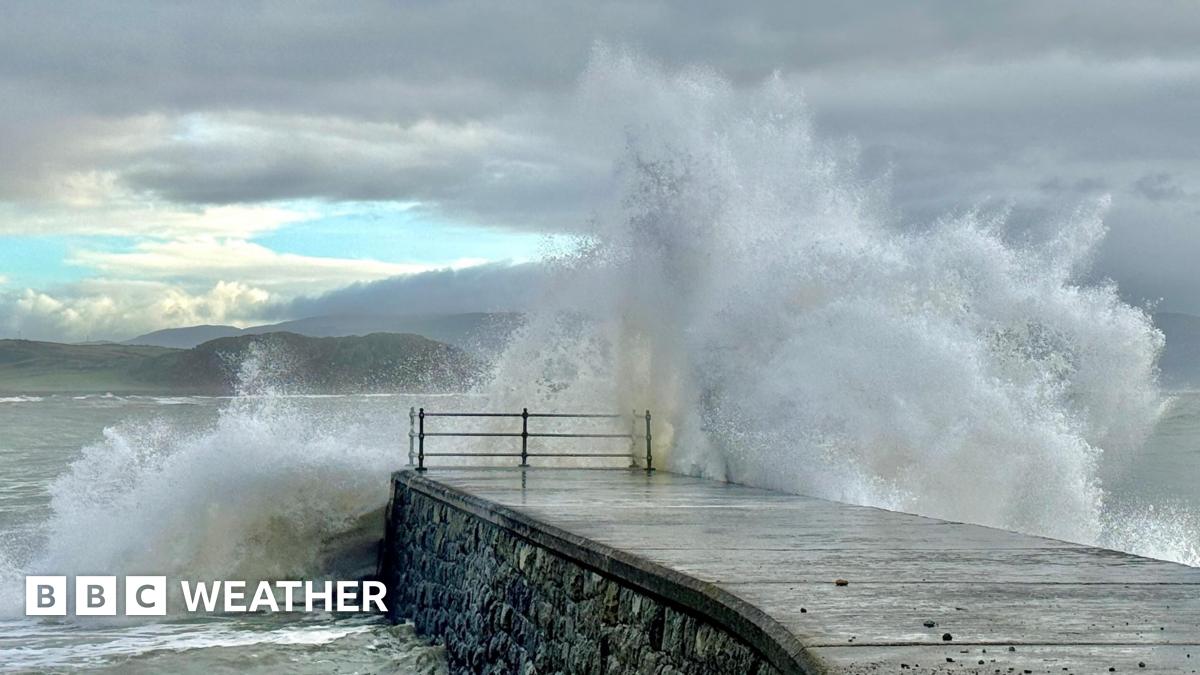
(417, 435)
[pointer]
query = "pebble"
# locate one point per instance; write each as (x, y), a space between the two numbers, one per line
(842, 582)
(930, 624)
(946, 637)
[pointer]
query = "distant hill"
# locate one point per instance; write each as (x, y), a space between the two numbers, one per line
(35, 367)
(480, 333)
(1180, 362)
(484, 334)
(184, 338)
(374, 363)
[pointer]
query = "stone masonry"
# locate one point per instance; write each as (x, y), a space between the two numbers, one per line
(502, 604)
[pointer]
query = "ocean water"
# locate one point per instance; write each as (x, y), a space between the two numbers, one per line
(199, 488)
(292, 487)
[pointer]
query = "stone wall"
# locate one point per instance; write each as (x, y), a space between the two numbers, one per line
(503, 602)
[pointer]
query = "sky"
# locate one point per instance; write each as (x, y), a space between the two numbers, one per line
(173, 164)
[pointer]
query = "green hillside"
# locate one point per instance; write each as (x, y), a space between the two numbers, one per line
(46, 367)
(379, 362)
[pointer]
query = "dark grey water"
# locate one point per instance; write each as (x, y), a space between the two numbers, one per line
(291, 487)
(105, 484)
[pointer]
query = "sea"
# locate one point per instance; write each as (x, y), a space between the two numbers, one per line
(277, 487)
(200, 488)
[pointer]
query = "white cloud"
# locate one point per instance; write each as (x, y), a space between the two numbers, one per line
(108, 309)
(203, 259)
(124, 216)
(181, 282)
(172, 283)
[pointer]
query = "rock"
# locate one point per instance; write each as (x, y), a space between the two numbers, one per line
(841, 582)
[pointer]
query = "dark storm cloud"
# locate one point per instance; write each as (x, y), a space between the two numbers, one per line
(497, 287)
(464, 106)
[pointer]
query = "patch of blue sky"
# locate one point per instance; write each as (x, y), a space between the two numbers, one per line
(401, 233)
(44, 260)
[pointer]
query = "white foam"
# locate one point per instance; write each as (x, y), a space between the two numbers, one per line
(96, 646)
(758, 294)
(752, 291)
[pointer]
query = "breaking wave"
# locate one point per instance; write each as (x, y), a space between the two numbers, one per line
(756, 292)
(761, 295)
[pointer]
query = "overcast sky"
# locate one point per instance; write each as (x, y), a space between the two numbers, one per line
(166, 164)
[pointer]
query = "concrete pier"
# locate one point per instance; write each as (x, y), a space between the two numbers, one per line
(920, 595)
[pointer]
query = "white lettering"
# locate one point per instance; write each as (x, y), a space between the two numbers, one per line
(326, 596)
(264, 595)
(288, 587)
(203, 594)
(45, 596)
(145, 596)
(373, 593)
(95, 596)
(346, 596)
(233, 598)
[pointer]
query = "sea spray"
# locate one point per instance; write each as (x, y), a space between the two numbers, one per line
(275, 488)
(756, 291)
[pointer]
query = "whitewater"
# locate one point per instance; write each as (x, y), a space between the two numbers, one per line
(762, 296)
(749, 284)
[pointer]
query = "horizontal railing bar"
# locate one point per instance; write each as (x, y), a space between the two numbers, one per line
(580, 454)
(569, 415)
(518, 435)
(455, 433)
(581, 436)
(475, 454)
(431, 414)
(579, 415)
(529, 454)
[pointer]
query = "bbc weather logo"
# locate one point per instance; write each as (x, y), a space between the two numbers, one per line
(147, 596)
(95, 596)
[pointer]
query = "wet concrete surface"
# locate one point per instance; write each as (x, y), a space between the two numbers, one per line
(922, 595)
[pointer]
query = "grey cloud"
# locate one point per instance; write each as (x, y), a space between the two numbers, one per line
(1151, 250)
(1158, 187)
(496, 287)
(1085, 185)
(1029, 102)
(510, 178)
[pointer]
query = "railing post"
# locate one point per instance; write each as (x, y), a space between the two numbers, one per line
(421, 441)
(412, 434)
(649, 453)
(633, 420)
(525, 437)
